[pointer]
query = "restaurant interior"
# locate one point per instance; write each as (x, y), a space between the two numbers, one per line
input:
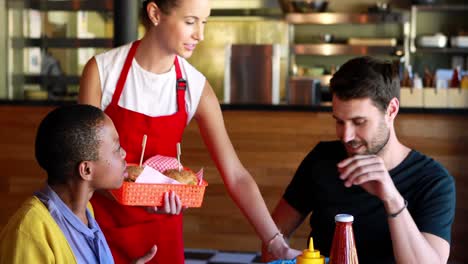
(269, 63)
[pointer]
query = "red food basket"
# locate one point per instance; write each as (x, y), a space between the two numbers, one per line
(148, 194)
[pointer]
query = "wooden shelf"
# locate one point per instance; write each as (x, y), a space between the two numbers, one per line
(63, 42)
(329, 18)
(343, 49)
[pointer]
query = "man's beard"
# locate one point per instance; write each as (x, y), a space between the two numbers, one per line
(377, 144)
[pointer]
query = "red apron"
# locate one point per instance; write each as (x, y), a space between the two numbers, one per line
(131, 231)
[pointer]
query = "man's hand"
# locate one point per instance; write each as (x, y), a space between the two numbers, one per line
(148, 256)
(172, 205)
(369, 172)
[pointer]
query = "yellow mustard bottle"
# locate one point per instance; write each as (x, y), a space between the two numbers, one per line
(310, 255)
(464, 82)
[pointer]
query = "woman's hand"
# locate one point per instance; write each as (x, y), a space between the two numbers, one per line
(172, 205)
(279, 249)
(147, 257)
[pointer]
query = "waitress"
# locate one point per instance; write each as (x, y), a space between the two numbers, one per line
(148, 87)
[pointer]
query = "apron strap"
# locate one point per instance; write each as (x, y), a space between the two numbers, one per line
(181, 83)
(123, 75)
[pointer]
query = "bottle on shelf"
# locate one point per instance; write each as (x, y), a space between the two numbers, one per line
(455, 81)
(343, 249)
(417, 82)
(428, 78)
(310, 255)
(464, 82)
(407, 79)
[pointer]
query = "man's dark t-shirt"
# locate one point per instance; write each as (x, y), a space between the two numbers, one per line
(317, 188)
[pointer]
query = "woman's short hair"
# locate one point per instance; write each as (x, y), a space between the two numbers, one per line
(67, 136)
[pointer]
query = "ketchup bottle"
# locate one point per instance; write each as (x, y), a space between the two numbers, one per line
(455, 81)
(343, 250)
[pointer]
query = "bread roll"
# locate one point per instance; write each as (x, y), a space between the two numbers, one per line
(184, 176)
(133, 172)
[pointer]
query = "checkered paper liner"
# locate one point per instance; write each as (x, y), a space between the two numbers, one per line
(151, 194)
(163, 163)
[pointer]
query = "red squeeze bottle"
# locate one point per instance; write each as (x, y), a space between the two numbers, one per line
(455, 81)
(343, 250)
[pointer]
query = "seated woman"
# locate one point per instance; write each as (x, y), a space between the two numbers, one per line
(78, 146)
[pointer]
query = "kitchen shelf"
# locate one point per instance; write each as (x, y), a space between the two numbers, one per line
(329, 18)
(339, 47)
(324, 79)
(71, 31)
(63, 42)
(443, 50)
(47, 79)
(432, 8)
(344, 49)
(436, 8)
(72, 5)
(260, 12)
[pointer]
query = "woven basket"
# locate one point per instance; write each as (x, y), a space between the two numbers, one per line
(146, 194)
(152, 194)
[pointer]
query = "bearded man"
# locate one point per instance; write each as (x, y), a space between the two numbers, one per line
(403, 202)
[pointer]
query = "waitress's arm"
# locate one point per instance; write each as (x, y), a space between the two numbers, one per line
(240, 184)
(90, 85)
(288, 219)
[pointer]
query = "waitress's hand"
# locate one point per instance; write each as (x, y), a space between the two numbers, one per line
(279, 249)
(147, 257)
(172, 205)
(291, 253)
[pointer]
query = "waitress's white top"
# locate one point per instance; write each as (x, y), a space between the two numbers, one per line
(146, 92)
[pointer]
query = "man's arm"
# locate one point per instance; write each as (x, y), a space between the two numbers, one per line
(287, 219)
(409, 244)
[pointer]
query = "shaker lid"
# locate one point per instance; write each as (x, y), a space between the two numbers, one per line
(344, 218)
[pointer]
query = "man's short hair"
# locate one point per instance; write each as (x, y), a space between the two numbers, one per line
(67, 136)
(367, 77)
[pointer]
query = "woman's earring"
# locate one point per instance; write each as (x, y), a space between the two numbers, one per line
(155, 24)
